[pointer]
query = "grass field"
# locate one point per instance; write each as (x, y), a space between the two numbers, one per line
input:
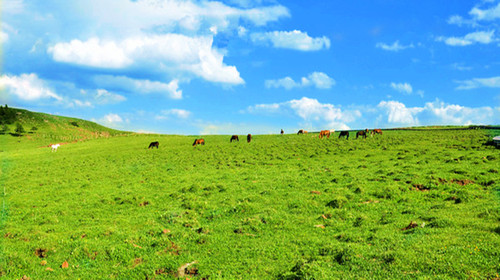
(280, 207)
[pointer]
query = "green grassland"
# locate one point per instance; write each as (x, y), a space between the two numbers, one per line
(280, 207)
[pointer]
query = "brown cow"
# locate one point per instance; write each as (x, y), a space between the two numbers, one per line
(282, 132)
(249, 138)
(234, 137)
(200, 141)
(300, 132)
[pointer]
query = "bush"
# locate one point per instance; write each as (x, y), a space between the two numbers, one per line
(19, 129)
(5, 129)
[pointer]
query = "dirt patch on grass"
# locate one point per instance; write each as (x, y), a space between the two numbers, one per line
(185, 270)
(41, 253)
(461, 182)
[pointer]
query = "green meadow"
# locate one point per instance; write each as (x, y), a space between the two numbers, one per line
(408, 204)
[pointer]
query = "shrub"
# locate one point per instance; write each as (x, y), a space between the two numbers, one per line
(20, 128)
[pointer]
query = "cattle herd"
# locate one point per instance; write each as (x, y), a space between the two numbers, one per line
(323, 133)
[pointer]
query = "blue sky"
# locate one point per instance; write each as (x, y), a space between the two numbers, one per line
(253, 66)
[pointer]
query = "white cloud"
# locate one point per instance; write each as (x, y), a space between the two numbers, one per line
(13, 6)
(79, 103)
(242, 31)
(437, 113)
(490, 14)
(402, 87)
(111, 120)
(170, 52)
(458, 20)
(312, 112)
(178, 113)
(398, 113)
(132, 17)
(91, 53)
(493, 82)
(296, 40)
(140, 86)
(27, 87)
(394, 47)
(319, 80)
(459, 115)
(460, 67)
(483, 37)
(4, 36)
(105, 97)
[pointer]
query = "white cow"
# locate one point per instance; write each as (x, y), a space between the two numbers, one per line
(54, 147)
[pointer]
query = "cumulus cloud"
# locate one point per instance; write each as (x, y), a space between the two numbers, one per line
(493, 82)
(477, 16)
(398, 113)
(319, 80)
(27, 87)
(402, 87)
(92, 52)
(142, 86)
(482, 37)
(186, 15)
(173, 52)
(395, 47)
(489, 14)
(296, 40)
(459, 115)
(111, 120)
(311, 111)
(437, 113)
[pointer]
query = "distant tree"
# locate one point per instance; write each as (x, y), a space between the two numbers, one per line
(19, 129)
(7, 115)
(5, 129)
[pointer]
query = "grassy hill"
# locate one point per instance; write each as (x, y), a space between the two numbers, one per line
(46, 127)
(403, 205)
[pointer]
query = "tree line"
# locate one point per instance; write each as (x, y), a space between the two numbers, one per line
(9, 116)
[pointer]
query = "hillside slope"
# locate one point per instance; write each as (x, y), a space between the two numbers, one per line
(41, 125)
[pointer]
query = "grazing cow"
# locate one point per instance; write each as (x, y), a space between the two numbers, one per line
(54, 147)
(249, 138)
(154, 144)
(300, 132)
(344, 133)
(324, 133)
(305, 131)
(363, 133)
(234, 137)
(282, 132)
(377, 131)
(199, 142)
